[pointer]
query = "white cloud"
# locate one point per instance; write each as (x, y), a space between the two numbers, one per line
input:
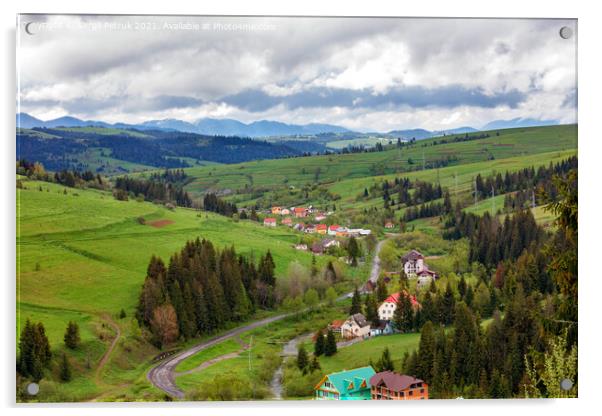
(86, 67)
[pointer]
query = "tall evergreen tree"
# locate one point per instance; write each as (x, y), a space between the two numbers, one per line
(381, 290)
(356, 303)
(65, 369)
(320, 344)
(302, 358)
(71, 337)
(331, 344)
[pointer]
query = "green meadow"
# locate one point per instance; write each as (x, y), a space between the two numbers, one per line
(82, 256)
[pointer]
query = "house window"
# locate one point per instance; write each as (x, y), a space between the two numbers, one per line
(411, 393)
(421, 390)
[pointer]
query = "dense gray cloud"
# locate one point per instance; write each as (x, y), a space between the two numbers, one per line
(367, 74)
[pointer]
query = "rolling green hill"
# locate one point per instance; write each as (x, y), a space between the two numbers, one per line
(330, 169)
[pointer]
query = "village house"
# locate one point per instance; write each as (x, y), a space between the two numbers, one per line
(388, 385)
(299, 226)
(389, 225)
(269, 222)
(310, 229)
(414, 266)
(345, 385)
(300, 212)
(319, 247)
(381, 328)
(425, 277)
(336, 325)
(276, 210)
(320, 217)
(332, 230)
(355, 326)
(321, 228)
(386, 311)
(285, 211)
(413, 263)
(287, 222)
(301, 247)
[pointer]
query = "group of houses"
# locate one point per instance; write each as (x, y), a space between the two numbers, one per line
(288, 215)
(366, 384)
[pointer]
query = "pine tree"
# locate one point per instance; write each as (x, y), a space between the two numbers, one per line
(302, 359)
(448, 303)
(71, 337)
(353, 250)
(331, 344)
(381, 290)
(371, 309)
(34, 350)
(65, 369)
(426, 352)
(319, 346)
(385, 363)
(356, 303)
(314, 365)
(403, 317)
(314, 267)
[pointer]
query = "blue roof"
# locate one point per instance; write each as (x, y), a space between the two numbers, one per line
(350, 381)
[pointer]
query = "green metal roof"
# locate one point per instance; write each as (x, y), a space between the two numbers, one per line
(342, 380)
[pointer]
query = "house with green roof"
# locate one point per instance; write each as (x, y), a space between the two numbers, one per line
(345, 385)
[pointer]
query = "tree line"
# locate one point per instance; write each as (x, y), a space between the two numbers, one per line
(154, 191)
(213, 203)
(201, 290)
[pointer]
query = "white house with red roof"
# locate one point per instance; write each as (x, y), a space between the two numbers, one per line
(386, 310)
(269, 222)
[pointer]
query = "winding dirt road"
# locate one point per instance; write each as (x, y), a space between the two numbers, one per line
(163, 374)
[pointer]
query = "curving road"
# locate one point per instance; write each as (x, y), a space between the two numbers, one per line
(162, 375)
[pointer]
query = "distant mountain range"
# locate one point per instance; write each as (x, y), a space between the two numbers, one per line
(206, 126)
(264, 128)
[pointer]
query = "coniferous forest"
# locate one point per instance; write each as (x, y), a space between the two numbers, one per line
(202, 289)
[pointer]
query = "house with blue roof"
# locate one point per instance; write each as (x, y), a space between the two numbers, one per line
(345, 385)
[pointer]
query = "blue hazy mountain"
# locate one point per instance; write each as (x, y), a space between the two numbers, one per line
(517, 122)
(208, 126)
(420, 134)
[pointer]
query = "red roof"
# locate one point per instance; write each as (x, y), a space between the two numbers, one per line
(269, 220)
(337, 323)
(299, 209)
(321, 227)
(334, 227)
(394, 298)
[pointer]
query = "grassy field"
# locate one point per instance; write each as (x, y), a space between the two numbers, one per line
(82, 255)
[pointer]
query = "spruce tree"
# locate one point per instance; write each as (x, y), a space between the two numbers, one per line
(403, 317)
(302, 359)
(314, 365)
(71, 337)
(356, 303)
(371, 309)
(385, 363)
(381, 290)
(331, 344)
(65, 369)
(319, 346)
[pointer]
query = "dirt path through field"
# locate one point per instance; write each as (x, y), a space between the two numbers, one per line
(105, 358)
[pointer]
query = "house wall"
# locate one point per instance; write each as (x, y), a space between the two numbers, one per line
(382, 393)
(413, 267)
(386, 311)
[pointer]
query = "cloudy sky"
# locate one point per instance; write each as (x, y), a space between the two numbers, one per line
(364, 74)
